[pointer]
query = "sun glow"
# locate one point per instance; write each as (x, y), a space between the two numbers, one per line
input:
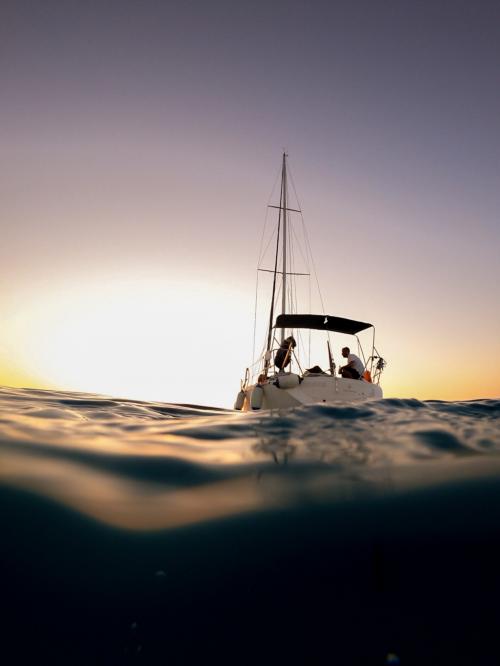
(189, 341)
(147, 339)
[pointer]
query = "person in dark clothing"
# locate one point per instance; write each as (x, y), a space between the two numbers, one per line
(284, 353)
(315, 370)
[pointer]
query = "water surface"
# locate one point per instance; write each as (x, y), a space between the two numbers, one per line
(161, 533)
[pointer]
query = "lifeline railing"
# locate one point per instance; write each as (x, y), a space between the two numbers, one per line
(375, 365)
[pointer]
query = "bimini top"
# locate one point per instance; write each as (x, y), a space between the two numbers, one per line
(321, 323)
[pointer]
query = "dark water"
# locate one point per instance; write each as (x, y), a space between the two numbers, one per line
(136, 532)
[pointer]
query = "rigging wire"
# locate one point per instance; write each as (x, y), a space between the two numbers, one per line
(305, 259)
(308, 269)
(309, 308)
(266, 220)
(255, 316)
(262, 254)
(261, 257)
(308, 244)
(310, 254)
(294, 299)
(271, 238)
(290, 263)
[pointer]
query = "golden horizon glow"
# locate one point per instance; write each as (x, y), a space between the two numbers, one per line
(153, 339)
(145, 339)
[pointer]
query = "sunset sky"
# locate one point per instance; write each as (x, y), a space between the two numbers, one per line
(139, 146)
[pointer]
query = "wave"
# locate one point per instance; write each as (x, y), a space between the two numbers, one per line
(209, 463)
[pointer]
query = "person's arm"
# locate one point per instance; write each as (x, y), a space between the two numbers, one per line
(347, 365)
(350, 362)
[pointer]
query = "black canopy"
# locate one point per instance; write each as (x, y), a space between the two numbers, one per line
(322, 323)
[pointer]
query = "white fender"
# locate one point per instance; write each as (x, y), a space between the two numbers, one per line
(288, 380)
(257, 397)
(240, 399)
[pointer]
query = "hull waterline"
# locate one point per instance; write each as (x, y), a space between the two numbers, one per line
(311, 390)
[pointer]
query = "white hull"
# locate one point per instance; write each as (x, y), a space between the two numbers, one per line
(312, 390)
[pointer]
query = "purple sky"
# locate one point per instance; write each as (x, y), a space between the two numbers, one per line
(143, 138)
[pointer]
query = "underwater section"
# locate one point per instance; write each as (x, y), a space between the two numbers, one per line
(140, 531)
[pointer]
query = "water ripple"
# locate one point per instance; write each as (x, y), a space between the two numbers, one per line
(148, 465)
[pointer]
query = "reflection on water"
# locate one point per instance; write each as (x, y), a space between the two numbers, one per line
(150, 466)
(170, 534)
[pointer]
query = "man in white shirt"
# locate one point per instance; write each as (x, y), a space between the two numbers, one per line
(354, 368)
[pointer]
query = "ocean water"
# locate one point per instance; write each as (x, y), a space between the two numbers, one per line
(141, 532)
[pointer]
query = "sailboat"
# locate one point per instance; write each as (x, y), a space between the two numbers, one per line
(278, 378)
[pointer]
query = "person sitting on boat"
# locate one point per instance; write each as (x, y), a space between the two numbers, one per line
(284, 353)
(354, 367)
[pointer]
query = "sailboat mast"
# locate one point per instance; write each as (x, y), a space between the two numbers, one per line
(281, 217)
(283, 204)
